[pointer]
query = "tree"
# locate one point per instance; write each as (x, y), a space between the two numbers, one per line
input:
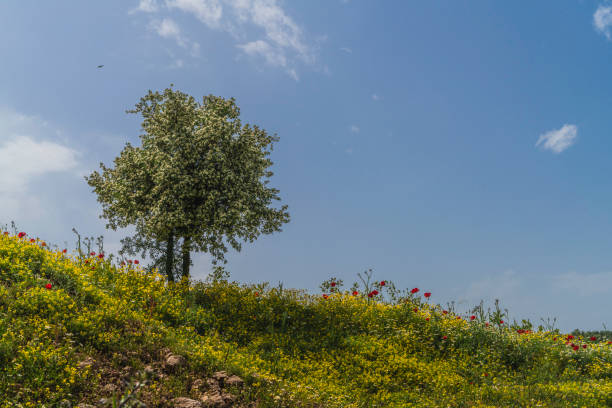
(198, 176)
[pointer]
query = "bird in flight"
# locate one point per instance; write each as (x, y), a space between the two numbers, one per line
(100, 66)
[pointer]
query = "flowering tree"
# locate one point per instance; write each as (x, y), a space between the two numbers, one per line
(197, 177)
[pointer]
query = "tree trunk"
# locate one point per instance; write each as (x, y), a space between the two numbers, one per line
(170, 258)
(186, 252)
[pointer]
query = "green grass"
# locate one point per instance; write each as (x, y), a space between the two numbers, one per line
(293, 349)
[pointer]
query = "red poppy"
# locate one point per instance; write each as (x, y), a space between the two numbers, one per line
(610, 342)
(44, 244)
(575, 348)
(333, 284)
(427, 318)
(5, 232)
(444, 337)
(570, 337)
(87, 261)
(383, 283)
(129, 261)
(486, 374)
(64, 251)
(122, 262)
(415, 310)
(520, 331)
(32, 240)
(48, 286)
(501, 322)
(370, 294)
(472, 317)
(355, 293)
(427, 294)
(92, 253)
(21, 234)
(487, 324)
(458, 317)
(101, 256)
(414, 290)
(136, 261)
(593, 338)
(256, 294)
(584, 346)
(555, 339)
(325, 296)
(444, 312)
(375, 292)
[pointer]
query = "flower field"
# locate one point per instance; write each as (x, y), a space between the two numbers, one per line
(72, 325)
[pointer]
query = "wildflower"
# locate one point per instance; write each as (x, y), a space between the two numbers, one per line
(444, 337)
(458, 317)
(584, 346)
(32, 240)
(487, 324)
(501, 322)
(129, 261)
(520, 331)
(427, 294)
(64, 251)
(370, 294)
(444, 312)
(333, 284)
(472, 317)
(593, 338)
(5, 232)
(610, 342)
(383, 283)
(92, 254)
(575, 348)
(136, 261)
(570, 337)
(427, 319)
(375, 292)
(122, 262)
(486, 374)
(21, 234)
(325, 296)
(48, 286)
(256, 294)
(101, 256)
(555, 339)
(355, 293)
(44, 244)
(414, 290)
(415, 310)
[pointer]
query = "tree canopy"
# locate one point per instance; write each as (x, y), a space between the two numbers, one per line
(200, 175)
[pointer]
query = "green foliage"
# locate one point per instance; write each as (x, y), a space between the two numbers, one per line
(198, 176)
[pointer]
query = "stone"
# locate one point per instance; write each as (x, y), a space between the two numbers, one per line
(234, 381)
(182, 402)
(217, 399)
(173, 361)
(83, 405)
(88, 362)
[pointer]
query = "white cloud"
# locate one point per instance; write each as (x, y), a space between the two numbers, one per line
(167, 28)
(207, 11)
(558, 140)
(602, 20)
(282, 43)
(24, 157)
(347, 50)
(260, 47)
(354, 129)
(146, 6)
(375, 97)
(584, 284)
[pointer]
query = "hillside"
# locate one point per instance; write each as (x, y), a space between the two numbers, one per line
(75, 329)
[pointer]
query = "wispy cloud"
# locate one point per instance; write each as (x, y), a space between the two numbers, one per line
(347, 50)
(354, 129)
(584, 284)
(375, 97)
(281, 43)
(602, 20)
(558, 140)
(145, 6)
(168, 28)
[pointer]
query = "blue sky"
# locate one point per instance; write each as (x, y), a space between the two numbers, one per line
(462, 148)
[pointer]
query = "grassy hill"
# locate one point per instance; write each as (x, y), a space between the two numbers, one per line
(75, 329)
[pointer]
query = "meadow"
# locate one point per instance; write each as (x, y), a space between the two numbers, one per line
(76, 328)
